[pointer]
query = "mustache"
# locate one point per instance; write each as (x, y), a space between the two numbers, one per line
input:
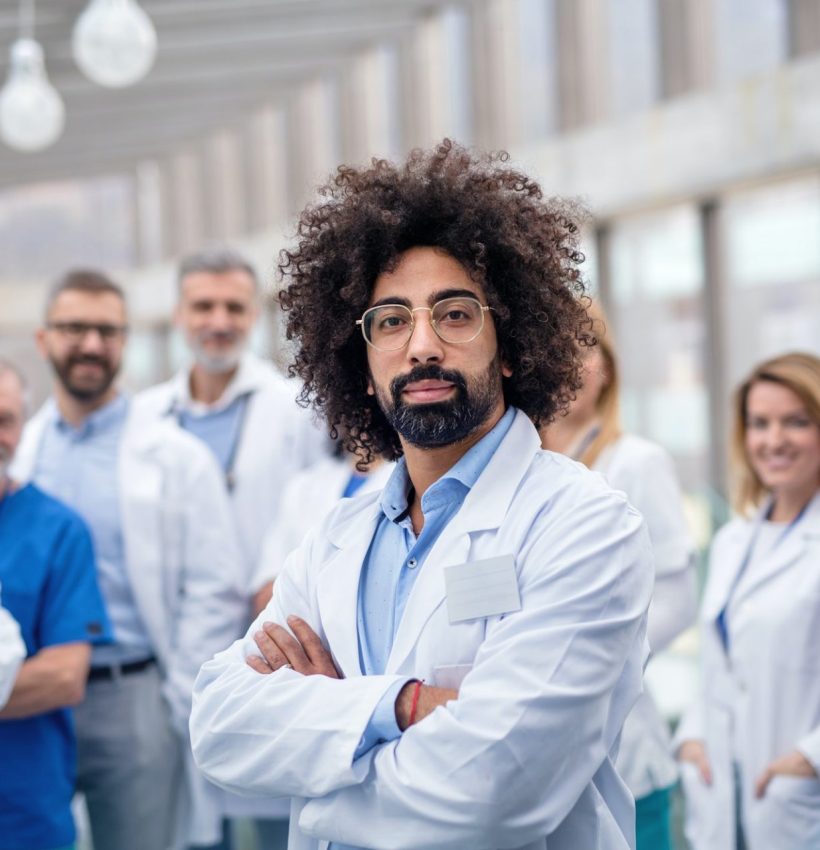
(426, 373)
(218, 336)
(79, 359)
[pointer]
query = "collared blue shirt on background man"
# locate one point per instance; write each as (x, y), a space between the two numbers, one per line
(79, 466)
(49, 585)
(220, 428)
(394, 559)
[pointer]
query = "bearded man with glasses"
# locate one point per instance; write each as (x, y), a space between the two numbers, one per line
(166, 551)
(447, 663)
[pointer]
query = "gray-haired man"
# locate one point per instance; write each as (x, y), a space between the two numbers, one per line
(239, 405)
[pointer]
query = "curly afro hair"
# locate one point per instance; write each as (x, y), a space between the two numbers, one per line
(521, 248)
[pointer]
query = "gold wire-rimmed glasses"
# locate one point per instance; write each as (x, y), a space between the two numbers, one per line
(457, 320)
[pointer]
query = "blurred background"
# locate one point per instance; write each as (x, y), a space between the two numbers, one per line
(690, 128)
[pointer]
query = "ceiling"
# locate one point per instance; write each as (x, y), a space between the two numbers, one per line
(217, 61)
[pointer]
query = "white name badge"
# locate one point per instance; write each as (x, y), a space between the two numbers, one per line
(482, 589)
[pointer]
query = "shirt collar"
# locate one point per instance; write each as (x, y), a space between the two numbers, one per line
(110, 415)
(463, 475)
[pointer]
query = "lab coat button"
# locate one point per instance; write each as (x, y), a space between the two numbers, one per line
(412, 563)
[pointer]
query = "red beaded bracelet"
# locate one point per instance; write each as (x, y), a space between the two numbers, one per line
(415, 703)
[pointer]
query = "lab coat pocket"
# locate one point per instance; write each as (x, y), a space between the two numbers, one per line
(700, 807)
(450, 675)
(788, 816)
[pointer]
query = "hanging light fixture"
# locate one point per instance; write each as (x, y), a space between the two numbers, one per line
(32, 114)
(114, 42)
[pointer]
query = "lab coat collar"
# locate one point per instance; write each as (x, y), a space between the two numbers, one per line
(250, 377)
(354, 524)
(789, 549)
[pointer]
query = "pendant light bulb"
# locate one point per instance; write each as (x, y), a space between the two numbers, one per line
(32, 114)
(114, 42)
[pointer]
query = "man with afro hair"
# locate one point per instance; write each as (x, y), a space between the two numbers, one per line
(448, 663)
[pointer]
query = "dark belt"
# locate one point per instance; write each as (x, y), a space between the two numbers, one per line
(114, 671)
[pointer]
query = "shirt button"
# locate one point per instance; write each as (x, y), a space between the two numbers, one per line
(412, 563)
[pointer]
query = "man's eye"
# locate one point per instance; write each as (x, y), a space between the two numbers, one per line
(392, 322)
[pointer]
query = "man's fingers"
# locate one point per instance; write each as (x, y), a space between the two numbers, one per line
(762, 782)
(288, 646)
(311, 644)
(258, 664)
(270, 651)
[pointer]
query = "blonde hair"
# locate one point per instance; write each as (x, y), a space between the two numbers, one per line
(607, 405)
(799, 372)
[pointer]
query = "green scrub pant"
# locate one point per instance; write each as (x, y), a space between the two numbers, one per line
(653, 821)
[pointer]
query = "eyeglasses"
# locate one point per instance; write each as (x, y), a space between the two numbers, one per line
(388, 327)
(77, 331)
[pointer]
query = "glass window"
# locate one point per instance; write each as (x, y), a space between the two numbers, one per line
(657, 312)
(771, 236)
(49, 227)
(633, 66)
(752, 37)
(537, 67)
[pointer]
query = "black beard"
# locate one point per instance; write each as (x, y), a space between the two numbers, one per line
(442, 423)
(83, 393)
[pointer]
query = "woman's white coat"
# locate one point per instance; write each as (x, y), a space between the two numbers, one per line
(763, 694)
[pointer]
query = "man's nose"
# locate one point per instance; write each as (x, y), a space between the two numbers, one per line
(92, 341)
(425, 344)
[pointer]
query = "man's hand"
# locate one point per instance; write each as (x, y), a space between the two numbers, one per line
(694, 751)
(304, 653)
(793, 764)
(430, 698)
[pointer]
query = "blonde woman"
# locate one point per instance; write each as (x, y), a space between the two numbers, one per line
(750, 747)
(591, 433)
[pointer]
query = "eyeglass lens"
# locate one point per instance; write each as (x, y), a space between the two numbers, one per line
(390, 326)
(77, 331)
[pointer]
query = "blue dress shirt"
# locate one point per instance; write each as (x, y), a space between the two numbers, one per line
(78, 466)
(220, 429)
(394, 559)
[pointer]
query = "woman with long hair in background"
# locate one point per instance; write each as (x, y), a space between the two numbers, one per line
(591, 433)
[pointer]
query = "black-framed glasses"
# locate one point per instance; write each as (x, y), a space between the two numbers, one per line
(388, 327)
(77, 331)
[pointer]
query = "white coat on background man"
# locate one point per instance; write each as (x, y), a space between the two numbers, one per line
(181, 569)
(769, 682)
(12, 653)
(645, 473)
(309, 497)
(277, 439)
(567, 666)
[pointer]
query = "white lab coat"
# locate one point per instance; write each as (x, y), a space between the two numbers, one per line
(523, 758)
(308, 498)
(12, 653)
(646, 474)
(180, 552)
(767, 689)
(278, 438)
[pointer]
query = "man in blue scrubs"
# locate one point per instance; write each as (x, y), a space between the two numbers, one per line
(49, 586)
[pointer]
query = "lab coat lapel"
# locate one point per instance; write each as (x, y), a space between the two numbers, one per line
(733, 555)
(338, 584)
(484, 508)
(789, 549)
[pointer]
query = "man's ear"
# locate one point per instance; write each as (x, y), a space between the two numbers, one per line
(40, 342)
(370, 390)
(506, 369)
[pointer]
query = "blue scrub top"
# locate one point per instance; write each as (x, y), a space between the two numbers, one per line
(48, 582)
